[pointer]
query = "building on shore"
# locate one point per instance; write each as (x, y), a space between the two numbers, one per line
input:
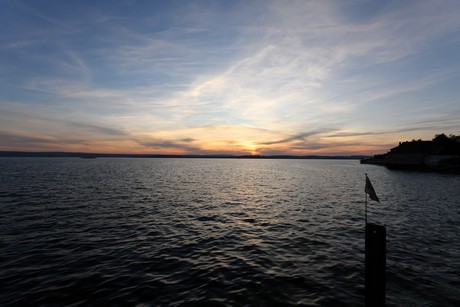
(440, 154)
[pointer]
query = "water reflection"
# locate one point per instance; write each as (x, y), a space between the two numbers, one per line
(234, 232)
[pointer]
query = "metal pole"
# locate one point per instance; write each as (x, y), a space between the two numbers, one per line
(365, 217)
(375, 261)
(365, 207)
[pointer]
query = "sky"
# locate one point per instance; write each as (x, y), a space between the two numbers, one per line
(237, 77)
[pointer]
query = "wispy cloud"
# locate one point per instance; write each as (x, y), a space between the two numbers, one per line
(185, 145)
(299, 137)
(268, 76)
(14, 140)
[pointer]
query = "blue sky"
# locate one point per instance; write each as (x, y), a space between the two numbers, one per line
(258, 77)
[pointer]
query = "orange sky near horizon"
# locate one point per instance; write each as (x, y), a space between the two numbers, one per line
(220, 140)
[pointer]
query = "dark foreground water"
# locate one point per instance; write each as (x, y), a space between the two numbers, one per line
(169, 232)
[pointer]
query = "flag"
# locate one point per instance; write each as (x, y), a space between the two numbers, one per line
(369, 189)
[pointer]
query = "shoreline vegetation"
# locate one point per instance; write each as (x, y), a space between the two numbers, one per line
(86, 155)
(441, 154)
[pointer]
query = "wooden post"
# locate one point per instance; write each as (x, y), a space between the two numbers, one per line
(375, 265)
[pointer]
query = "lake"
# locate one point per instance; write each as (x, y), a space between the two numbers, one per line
(221, 232)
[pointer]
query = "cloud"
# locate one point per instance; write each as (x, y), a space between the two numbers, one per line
(37, 13)
(95, 129)
(268, 75)
(298, 137)
(40, 129)
(289, 70)
(12, 139)
(183, 144)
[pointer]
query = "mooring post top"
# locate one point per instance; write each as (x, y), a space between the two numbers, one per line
(373, 225)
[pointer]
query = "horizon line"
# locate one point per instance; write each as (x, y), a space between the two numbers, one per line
(14, 153)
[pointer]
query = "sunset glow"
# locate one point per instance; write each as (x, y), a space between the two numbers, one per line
(227, 77)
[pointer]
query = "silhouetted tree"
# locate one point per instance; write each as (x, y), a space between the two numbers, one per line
(441, 138)
(455, 138)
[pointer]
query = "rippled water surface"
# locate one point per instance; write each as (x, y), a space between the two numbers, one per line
(169, 232)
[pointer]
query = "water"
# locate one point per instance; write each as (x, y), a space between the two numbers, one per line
(178, 232)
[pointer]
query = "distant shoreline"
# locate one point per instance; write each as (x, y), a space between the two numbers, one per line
(441, 155)
(413, 167)
(24, 154)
